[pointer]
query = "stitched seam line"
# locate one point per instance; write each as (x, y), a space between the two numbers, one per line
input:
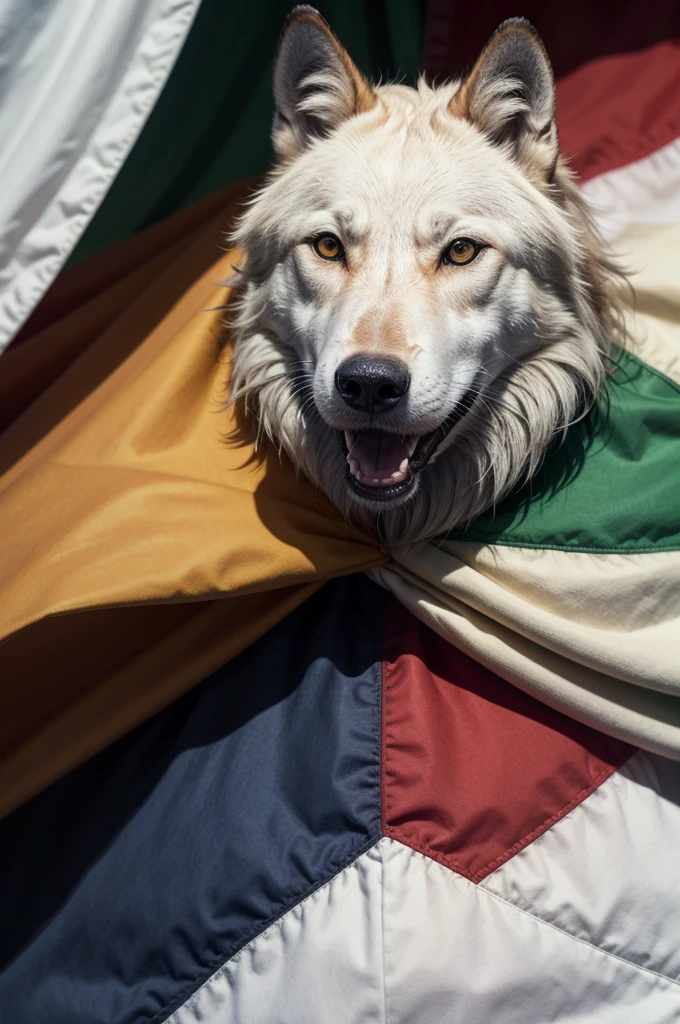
(654, 369)
(515, 541)
(389, 830)
(279, 920)
(583, 942)
(383, 761)
(540, 830)
(387, 772)
(220, 961)
(376, 676)
(477, 876)
(212, 966)
(425, 851)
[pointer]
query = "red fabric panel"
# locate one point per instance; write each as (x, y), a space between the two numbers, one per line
(474, 769)
(617, 69)
(620, 109)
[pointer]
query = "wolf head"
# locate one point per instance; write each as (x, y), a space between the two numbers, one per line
(424, 302)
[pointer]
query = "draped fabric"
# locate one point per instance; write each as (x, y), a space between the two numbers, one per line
(241, 781)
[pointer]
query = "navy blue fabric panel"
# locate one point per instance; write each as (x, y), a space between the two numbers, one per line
(131, 880)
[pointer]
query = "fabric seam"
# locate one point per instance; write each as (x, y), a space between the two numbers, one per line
(583, 942)
(478, 876)
(383, 717)
(540, 830)
(274, 924)
(216, 963)
(452, 863)
(519, 542)
(654, 369)
(220, 961)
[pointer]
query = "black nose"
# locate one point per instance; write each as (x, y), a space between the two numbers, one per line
(372, 383)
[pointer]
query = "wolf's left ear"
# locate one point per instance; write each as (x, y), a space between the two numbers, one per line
(510, 95)
(317, 86)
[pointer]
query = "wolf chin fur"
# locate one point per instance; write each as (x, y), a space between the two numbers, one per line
(549, 355)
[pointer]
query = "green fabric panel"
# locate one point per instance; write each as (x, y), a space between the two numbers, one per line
(211, 124)
(612, 486)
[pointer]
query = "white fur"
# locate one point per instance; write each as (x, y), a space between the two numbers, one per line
(528, 325)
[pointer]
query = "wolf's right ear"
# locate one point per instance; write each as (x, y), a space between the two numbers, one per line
(317, 86)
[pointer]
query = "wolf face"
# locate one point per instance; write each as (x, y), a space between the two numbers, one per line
(425, 304)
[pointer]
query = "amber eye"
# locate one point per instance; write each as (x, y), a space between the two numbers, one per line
(460, 251)
(329, 247)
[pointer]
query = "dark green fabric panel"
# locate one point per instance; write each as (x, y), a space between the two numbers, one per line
(612, 486)
(211, 124)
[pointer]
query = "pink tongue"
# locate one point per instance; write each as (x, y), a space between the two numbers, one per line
(375, 456)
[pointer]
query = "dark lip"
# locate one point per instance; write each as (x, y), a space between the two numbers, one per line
(387, 493)
(425, 449)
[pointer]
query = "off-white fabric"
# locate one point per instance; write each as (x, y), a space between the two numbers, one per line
(615, 614)
(652, 252)
(581, 928)
(456, 953)
(78, 79)
(643, 716)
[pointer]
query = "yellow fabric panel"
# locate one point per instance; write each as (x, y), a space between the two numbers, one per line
(132, 496)
(84, 300)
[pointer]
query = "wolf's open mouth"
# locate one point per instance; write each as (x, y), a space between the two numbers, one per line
(382, 466)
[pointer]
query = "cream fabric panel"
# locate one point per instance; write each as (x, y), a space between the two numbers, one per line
(78, 79)
(652, 253)
(615, 614)
(645, 717)
(637, 208)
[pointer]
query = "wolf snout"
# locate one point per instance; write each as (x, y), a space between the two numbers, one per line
(372, 384)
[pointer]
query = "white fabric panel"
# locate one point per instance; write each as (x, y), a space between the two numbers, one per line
(78, 79)
(644, 192)
(397, 938)
(321, 962)
(456, 953)
(609, 872)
